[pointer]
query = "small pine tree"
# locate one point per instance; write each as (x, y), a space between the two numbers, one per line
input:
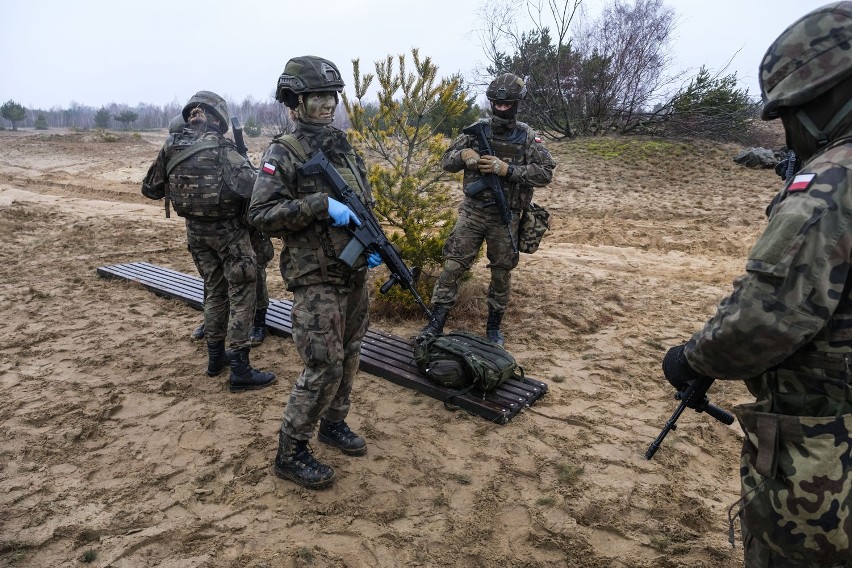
(403, 145)
(252, 127)
(714, 106)
(13, 112)
(126, 117)
(102, 118)
(41, 122)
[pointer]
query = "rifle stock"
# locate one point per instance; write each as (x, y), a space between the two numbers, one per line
(490, 181)
(369, 236)
(695, 397)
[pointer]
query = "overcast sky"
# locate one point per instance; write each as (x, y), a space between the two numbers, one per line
(97, 52)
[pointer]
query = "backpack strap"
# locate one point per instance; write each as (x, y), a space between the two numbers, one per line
(295, 145)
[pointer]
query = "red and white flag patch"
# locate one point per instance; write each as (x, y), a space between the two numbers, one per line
(801, 182)
(537, 140)
(268, 168)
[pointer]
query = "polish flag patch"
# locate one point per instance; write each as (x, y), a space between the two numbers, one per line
(268, 168)
(537, 140)
(801, 182)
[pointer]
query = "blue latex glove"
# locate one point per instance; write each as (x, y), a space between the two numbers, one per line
(373, 260)
(340, 214)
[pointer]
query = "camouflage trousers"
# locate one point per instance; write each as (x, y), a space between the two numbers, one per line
(328, 325)
(224, 257)
(476, 224)
(796, 469)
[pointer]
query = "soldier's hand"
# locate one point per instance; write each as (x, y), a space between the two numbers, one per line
(493, 165)
(677, 369)
(373, 259)
(470, 157)
(340, 214)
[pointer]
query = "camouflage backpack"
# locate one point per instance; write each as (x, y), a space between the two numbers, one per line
(198, 180)
(535, 220)
(461, 360)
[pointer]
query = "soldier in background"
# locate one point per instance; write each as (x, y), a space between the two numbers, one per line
(330, 300)
(523, 163)
(264, 252)
(208, 183)
(786, 329)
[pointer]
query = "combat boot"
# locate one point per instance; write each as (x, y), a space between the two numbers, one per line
(243, 376)
(295, 462)
(217, 360)
(339, 435)
(198, 333)
(492, 327)
(436, 322)
(258, 330)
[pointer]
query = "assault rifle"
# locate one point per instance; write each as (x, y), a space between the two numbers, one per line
(490, 181)
(242, 149)
(694, 397)
(369, 236)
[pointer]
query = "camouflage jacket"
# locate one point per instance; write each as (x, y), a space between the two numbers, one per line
(238, 173)
(518, 146)
(787, 330)
(294, 207)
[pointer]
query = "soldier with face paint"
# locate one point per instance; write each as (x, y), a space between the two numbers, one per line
(522, 163)
(330, 301)
(786, 329)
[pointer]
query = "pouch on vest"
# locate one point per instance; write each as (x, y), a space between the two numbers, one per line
(534, 223)
(464, 360)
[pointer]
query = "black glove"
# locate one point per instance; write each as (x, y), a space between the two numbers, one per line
(677, 370)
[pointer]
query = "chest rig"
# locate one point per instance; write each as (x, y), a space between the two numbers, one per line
(197, 178)
(332, 240)
(511, 147)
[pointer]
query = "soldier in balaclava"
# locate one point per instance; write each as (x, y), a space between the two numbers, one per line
(522, 163)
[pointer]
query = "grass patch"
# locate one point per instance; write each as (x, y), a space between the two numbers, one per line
(569, 474)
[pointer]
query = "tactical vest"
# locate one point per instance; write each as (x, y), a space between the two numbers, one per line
(199, 180)
(331, 239)
(511, 147)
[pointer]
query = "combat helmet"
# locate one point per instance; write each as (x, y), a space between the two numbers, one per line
(212, 102)
(307, 74)
(507, 88)
(176, 124)
(809, 58)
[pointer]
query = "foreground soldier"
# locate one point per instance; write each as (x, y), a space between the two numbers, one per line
(522, 163)
(330, 301)
(787, 327)
(208, 182)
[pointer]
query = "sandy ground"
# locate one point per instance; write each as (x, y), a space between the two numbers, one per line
(116, 448)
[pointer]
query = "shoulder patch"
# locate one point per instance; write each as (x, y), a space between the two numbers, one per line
(537, 139)
(801, 182)
(268, 168)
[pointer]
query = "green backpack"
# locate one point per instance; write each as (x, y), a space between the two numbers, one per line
(461, 360)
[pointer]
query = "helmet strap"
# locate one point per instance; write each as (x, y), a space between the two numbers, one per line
(821, 135)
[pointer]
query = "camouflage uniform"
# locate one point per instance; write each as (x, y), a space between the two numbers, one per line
(330, 301)
(219, 243)
(786, 329)
(479, 220)
(209, 184)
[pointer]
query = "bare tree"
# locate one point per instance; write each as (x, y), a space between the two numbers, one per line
(596, 80)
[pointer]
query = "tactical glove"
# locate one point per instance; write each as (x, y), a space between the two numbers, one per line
(677, 370)
(373, 260)
(340, 214)
(493, 165)
(470, 158)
